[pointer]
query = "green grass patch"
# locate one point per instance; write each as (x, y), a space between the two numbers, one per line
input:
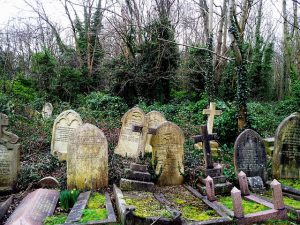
(191, 212)
(291, 202)
(57, 219)
(93, 215)
(96, 201)
(248, 206)
(294, 183)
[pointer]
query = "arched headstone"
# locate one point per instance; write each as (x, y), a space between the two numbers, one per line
(250, 155)
(286, 156)
(87, 159)
(168, 152)
(130, 142)
(63, 127)
(47, 110)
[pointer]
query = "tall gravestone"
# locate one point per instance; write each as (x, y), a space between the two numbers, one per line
(154, 119)
(63, 127)
(47, 110)
(129, 144)
(286, 156)
(87, 161)
(9, 156)
(250, 155)
(168, 152)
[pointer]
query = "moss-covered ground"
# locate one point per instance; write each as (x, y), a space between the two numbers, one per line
(294, 183)
(56, 219)
(248, 206)
(191, 207)
(145, 204)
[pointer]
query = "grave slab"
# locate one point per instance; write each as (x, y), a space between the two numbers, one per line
(135, 185)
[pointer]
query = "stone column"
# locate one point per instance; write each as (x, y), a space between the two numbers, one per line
(237, 203)
(243, 183)
(277, 195)
(210, 189)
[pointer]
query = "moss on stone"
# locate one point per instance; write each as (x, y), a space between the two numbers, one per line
(96, 201)
(192, 213)
(56, 219)
(248, 206)
(294, 183)
(93, 215)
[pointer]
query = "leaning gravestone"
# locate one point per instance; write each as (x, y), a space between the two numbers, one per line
(154, 119)
(9, 156)
(87, 161)
(47, 110)
(286, 157)
(34, 208)
(168, 152)
(250, 155)
(129, 141)
(63, 127)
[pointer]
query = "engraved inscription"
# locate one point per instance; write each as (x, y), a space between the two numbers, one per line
(5, 165)
(63, 133)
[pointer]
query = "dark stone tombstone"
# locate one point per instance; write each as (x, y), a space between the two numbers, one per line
(250, 155)
(286, 157)
(34, 208)
(256, 184)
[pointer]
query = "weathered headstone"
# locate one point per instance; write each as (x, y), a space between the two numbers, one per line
(34, 208)
(9, 156)
(87, 161)
(154, 119)
(49, 182)
(47, 110)
(286, 156)
(250, 155)
(130, 142)
(63, 127)
(256, 184)
(168, 152)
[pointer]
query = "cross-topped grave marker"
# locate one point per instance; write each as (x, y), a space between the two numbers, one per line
(206, 138)
(211, 112)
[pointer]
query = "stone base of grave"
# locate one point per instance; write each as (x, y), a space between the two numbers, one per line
(138, 167)
(214, 147)
(220, 189)
(135, 185)
(137, 175)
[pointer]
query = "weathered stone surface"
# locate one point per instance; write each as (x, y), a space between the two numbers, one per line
(168, 152)
(269, 145)
(211, 112)
(47, 110)
(87, 166)
(79, 206)
(137, 175)
(34, 208)
(129, 141)
(138, 167)
(134, 185)
(256, 184)
(250, 155)
(243, 182)
(220, 189)
(49, 182)
(210, 189)
(154, 119)
(277, 197)
(9, 156)
(4, 206)
(63, 127)
(286, 156)
(237, 203)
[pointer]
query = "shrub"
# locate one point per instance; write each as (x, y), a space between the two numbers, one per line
(68, 198)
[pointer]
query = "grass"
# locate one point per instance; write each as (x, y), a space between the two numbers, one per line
(294, 183)
(57, 219)
(248, 206)
(96, 201)
(93, 215)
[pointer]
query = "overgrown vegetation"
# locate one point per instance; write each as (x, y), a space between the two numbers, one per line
(68, 198)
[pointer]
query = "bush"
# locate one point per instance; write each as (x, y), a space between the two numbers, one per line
(68, 198)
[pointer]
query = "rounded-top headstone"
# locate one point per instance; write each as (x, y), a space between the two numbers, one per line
(47, 110)
(250, 155)
(286, 156)
(87, 161)
(168, 152)
(128, 145)
(63, 127)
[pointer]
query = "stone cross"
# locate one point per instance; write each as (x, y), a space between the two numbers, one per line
(243, 182)
(206, 138)
(211, 112)
(237, 203)
(210, 189)
(277, 195)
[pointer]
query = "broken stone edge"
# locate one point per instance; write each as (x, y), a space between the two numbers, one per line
(5, 206)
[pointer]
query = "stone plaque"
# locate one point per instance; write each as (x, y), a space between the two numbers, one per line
(256, 184)
(154, 119)
(130, 141)
(250, 155)
(286, 156)
(168, 152)
(34, 208)
(9, 156)
(79, 206)
(63, 127)
(87, 164)
(47, 110)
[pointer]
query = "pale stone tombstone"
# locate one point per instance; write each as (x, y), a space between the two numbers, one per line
(9, 156)
(168, 152)
(154, 119)
(130, 142)
(47, 110)
(87, 161)
(63, 127)
(286, 157)
(34, 208)
(250, 155)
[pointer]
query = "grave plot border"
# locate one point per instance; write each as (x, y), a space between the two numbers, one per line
(111, 218)
(4, 206)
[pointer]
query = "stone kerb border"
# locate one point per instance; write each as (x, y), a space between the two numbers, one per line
(4, 206)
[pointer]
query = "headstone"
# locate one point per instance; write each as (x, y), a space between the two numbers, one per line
(87, 164)
(269, 145)
(47, 110)
(129, 144)
(168, 152)
(256, 184)
(63, 127)
(34, 208)
(237, 203)
(9, 156)
(49, 182)
(250, 155)
(243, 182)
(286, 156)
(154, 119)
